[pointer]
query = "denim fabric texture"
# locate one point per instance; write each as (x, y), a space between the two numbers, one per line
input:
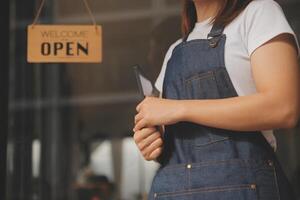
(206, 163)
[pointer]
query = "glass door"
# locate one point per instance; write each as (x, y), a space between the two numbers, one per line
(70, 125)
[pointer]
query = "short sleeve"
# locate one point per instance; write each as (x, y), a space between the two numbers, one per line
(265, 20)
(160, 79)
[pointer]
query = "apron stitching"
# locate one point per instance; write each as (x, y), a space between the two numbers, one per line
(199, 76)
(208, 189)
(211, 142)
(214, 162)
(188, 178)
(276, 182)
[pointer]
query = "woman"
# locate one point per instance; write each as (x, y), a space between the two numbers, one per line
(225, 86)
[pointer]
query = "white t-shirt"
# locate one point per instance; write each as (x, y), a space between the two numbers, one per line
(261, 21)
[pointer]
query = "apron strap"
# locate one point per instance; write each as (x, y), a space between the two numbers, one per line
(215, 35)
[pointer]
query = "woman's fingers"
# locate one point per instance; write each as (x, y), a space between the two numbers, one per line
(143, 134)
(140, 124)
(158, 142)
(154, 154)
(138, 107)
(149, 141)
(137, 118)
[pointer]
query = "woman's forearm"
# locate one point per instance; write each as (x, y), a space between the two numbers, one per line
(276, 104)
(244, 113)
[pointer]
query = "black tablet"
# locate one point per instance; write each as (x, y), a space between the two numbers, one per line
(146, 87)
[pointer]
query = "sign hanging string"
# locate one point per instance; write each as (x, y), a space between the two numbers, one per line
(86, 6)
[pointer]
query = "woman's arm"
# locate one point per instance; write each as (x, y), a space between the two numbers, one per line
(275, 105)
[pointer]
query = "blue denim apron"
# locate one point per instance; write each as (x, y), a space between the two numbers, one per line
(207, 163)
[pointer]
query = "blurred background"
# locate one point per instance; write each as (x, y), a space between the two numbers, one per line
(69, 126)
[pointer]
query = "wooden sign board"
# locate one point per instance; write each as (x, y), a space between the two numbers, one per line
(64, 44)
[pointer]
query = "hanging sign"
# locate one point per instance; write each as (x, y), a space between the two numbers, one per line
(64, 43)
(59, 43)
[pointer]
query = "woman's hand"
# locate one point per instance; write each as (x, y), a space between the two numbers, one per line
(149, 142)
(153, 111)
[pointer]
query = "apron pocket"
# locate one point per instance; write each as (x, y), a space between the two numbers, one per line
(202, 86)
(170, 178)
(230, 192)
(266, 177)
(209, 135)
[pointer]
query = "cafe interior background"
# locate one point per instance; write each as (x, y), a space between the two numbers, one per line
(70, 125)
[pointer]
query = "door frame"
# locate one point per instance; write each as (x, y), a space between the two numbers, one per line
(4, 88)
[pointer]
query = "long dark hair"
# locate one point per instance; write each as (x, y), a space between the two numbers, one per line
(228, 11)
